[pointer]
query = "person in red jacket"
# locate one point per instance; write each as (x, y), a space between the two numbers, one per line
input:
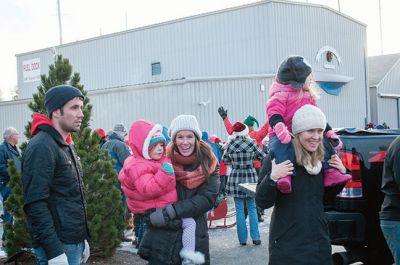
(148, 181)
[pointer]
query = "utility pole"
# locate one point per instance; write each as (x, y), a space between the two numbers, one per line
(380, 25)
(59, 21)
(338, 4)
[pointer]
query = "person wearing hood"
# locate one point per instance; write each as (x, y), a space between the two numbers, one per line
(196, 171)
(241, 151)
(52, 181)
(148, 180)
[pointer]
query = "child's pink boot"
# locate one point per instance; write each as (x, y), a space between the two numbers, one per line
(332, 177)
(284, 184)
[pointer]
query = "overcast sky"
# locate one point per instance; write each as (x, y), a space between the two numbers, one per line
(28, 25)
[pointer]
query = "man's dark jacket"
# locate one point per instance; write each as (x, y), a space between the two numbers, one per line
(7, 152)
(391, 183)
(53, 195)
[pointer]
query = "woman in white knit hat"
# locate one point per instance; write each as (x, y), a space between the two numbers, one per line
(299, 231)
(197, 176)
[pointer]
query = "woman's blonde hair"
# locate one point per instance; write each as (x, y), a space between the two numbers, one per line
(310, 86)
(304, 157)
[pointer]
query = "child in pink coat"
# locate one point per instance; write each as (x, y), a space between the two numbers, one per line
(291, 90)
(148, 181)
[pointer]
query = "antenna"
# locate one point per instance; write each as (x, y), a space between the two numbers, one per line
(59, 21)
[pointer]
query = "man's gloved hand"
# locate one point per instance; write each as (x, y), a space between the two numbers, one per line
(59, 260)
(167, 167)
(334, 140)
(282, 133)
(86, 253)
(223, 112)
(161, 216)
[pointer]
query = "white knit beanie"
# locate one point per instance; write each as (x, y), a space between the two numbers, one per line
(306, 118)
(184, 123)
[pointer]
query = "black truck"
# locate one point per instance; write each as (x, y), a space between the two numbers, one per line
(353, 216)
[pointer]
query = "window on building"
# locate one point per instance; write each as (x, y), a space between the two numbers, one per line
(155, 68)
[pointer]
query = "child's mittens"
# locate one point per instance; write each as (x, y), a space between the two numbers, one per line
(167, 167)
(282, 133)
(335, 140)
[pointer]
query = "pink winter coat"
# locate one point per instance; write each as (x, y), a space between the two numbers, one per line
(285, 100)
(143, 182)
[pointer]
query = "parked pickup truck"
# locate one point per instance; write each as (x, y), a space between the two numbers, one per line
(353, 216)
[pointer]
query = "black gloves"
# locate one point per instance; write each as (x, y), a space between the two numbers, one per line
(223, 113)
(161, 216)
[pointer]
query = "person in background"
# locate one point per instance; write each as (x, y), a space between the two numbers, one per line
(119, 151)
(8, 151)
(257, 135)
(299, 231)
(222, 166)
(52, 181)
(390, 210)
(102, 135)
(196, 171)
(293, 89)
(241, 151)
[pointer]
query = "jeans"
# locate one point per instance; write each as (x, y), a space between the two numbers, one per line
(73, 252)
(222, 185)
(281, 152)
(7, 217)
(241, 227)
(391, 231)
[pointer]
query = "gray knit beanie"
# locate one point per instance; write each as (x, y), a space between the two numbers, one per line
(306, 118)
(184, 123)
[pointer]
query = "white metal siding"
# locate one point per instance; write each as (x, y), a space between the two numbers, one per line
(228, 43)
(304, 30)
(388, 112)
(245, 41)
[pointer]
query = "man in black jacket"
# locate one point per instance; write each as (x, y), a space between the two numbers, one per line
(52, 181)
(390, 211)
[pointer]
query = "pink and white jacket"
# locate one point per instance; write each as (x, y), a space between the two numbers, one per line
(145, 184)
(285, 100)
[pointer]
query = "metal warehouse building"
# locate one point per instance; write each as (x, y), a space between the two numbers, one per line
(195, 64)
(384, 83)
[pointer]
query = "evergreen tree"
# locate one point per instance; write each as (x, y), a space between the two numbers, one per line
(103, 200)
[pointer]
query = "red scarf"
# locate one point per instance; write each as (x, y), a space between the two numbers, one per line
(189, 179)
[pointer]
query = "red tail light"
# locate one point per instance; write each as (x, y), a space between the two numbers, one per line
(379, 156)
(353, 188)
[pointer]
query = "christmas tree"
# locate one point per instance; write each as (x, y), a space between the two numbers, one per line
(103, 200)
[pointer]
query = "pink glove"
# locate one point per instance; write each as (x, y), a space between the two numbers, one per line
(282, 133)
(336, 142)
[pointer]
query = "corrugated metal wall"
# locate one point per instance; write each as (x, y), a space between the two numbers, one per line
(161, 104)
(304, 30)
(222, 43)
(214, 49)
(15, 114)
(388, 110)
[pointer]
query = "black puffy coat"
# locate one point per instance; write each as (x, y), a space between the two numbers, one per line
(164, 244)
(299, 230)
(53, 195)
